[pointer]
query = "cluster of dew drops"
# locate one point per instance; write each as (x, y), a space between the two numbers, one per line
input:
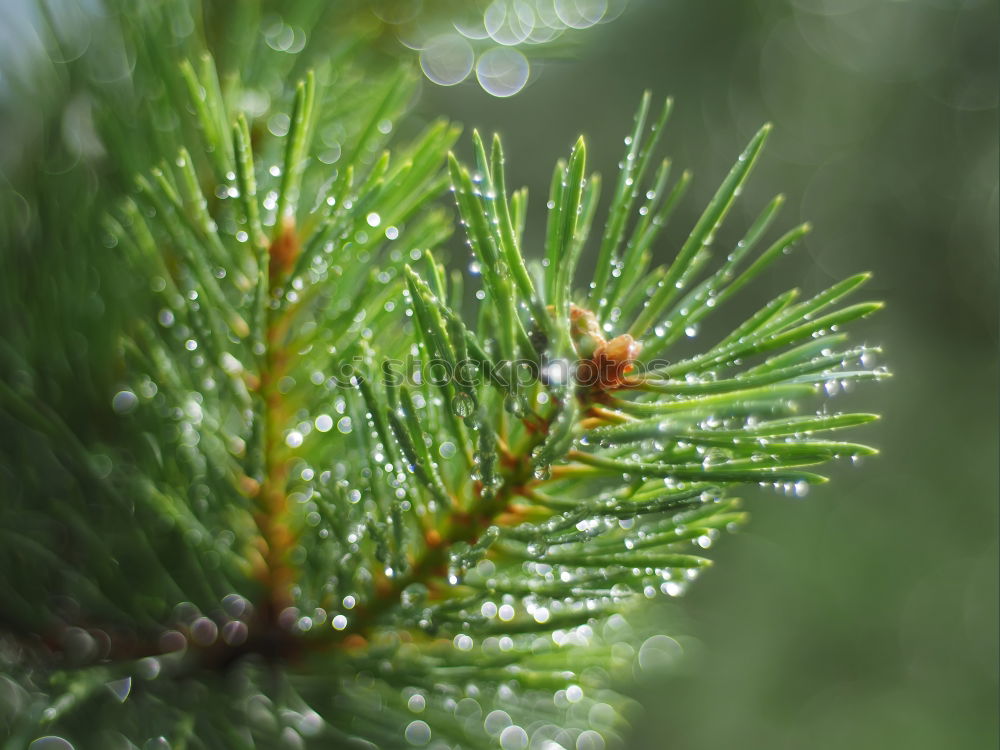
(487, 43)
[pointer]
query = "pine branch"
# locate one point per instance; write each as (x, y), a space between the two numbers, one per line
(391, 518)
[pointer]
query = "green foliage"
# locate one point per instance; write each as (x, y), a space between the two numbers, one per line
(282, 533)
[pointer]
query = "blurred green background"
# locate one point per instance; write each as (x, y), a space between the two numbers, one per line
(864, 616)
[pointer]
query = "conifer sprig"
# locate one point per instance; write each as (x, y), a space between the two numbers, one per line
(359, 510)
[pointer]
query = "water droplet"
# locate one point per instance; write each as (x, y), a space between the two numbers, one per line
(204, 631)
(659, 652)
(120, 688)
(124, 402)
(580, 14)
(462, 405)
(556, 372)
(513, 738)
(672, 588)
(447, 59)
(589, 740)
(514, 404)
(50, 742)
(148, 668)
(496, 721)
(417, 733)
(234, 633)
(502, 71)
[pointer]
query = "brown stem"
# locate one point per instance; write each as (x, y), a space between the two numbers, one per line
(277, 538)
